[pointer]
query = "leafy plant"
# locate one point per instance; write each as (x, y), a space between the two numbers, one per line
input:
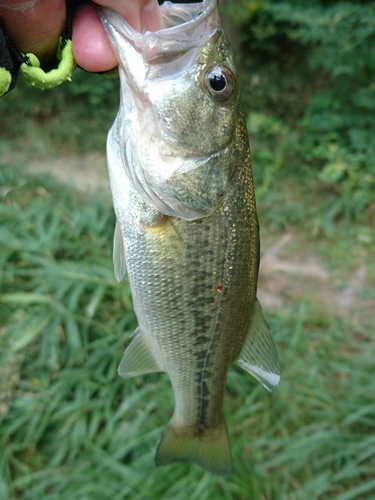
(72, 118)
(314, 68)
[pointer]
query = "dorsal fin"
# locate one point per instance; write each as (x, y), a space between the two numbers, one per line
(118, 253)
(138, 358)
(258, 355)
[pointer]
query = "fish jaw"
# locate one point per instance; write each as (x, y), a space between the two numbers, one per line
(185, 28)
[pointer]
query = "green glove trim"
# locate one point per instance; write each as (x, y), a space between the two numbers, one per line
(36, 77)
(5, 81)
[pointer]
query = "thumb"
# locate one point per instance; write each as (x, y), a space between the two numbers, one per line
(34, 25)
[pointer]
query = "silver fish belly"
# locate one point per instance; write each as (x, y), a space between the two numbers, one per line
(181, 180)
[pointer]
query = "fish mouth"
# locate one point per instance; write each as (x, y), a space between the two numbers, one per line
(185, 26)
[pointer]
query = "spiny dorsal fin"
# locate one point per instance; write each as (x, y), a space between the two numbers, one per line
(118, 253)
(258, 355)
(138, 358)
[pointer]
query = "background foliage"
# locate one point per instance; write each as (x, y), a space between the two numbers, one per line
(70, 428)
(309, 73)
(308, 84)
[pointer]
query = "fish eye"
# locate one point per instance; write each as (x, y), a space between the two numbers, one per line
(220, 82)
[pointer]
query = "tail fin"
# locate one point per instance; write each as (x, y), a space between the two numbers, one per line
(208, 447)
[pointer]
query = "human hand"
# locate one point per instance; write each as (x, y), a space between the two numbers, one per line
(36, 25)
(91, 48)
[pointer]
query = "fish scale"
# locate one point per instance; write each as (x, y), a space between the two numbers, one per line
(181, 180)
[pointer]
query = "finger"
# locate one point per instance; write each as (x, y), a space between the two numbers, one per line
(142, 15)
(34, 25)
(91, 47)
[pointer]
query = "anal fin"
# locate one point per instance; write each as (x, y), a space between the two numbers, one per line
(138, 358)
(258, 355)
(118, 253)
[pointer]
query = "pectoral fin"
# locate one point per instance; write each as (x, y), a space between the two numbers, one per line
(138, 358)
(258, 355)
(163, 228)
(118, 253)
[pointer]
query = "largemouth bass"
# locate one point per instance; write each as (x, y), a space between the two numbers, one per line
(187, 228)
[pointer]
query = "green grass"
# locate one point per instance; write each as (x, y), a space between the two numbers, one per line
(72, 429)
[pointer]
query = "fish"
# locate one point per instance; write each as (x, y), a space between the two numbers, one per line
(187, 231)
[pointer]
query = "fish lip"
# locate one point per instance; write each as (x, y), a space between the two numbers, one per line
(200, 11)
(173, 38)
